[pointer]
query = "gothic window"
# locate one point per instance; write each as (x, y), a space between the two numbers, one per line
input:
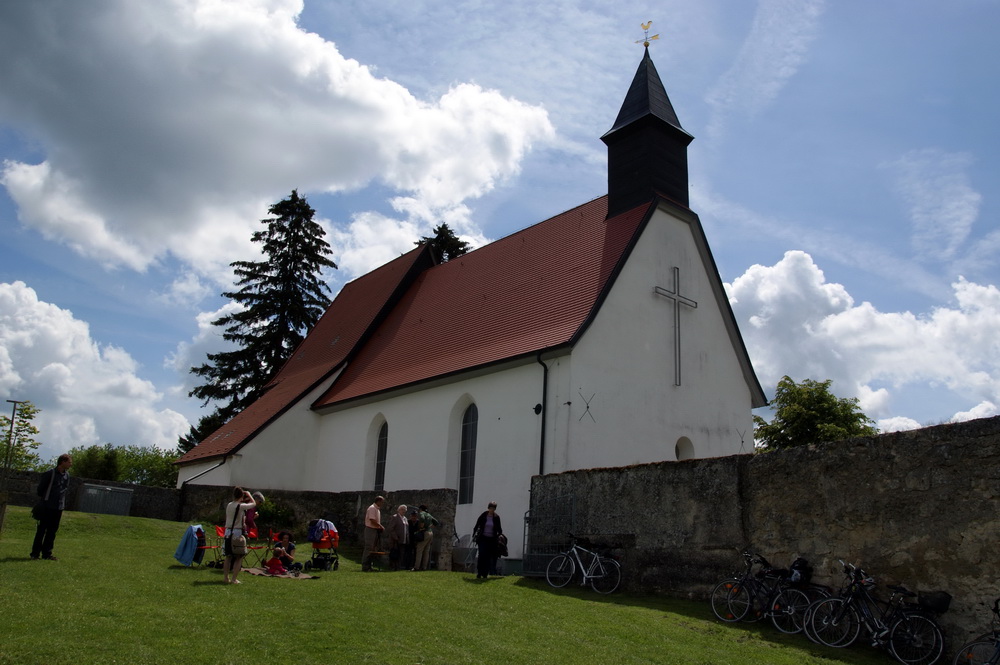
(467, 465)
(383, 443)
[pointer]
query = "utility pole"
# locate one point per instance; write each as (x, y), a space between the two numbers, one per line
(8, 458)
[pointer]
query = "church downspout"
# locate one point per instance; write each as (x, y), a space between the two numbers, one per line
(183, 492)
(542, 409)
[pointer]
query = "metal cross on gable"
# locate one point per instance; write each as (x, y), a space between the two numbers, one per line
(675, 296)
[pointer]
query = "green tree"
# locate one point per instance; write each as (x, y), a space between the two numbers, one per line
(282, 297)
(447, 244)
(22, 456)
(147, 465)
(138, 465)
(807, 413)
(95, 462)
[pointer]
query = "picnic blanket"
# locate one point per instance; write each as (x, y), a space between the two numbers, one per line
(286, 576)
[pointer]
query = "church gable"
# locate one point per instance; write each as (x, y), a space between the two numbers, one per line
(657, 370)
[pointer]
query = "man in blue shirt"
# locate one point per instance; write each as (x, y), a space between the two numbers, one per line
(52, 488)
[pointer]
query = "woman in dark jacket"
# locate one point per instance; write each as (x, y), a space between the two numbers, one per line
(487, 534)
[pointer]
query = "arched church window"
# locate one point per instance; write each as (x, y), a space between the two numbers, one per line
(467, 464)
(383, 444)
(684, 449)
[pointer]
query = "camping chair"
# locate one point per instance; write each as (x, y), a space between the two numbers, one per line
(206, 550)
(210, 548)
(463, 554)
(192, 550)
(257, 549)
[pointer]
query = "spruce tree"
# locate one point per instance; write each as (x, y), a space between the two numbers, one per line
(447, 244)
(283, 296)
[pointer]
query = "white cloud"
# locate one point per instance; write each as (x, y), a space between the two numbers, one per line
(941, 202)
(984, 409)
(774, 49)
(186, 288)
(186, 117)
(88, 393)
(797, 324)
(897, 424)
(52, 201)
(207, 340)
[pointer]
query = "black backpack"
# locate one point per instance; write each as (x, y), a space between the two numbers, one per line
(802, 572)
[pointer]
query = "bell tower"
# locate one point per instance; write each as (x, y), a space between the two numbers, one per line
(647, 147)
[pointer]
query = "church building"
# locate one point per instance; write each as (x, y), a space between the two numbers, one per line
(600, 337)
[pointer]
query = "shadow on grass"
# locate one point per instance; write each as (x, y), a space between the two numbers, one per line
(702, 611)
(16, 559)
(477, 580)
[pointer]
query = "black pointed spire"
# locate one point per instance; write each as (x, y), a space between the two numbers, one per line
(647, 147)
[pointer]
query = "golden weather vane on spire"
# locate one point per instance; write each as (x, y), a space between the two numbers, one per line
(646, 38)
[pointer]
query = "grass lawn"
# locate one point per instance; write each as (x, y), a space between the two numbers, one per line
(118, 596)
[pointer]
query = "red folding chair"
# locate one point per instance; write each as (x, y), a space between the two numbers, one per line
(207, 555)
(212, 548)
(257, 548)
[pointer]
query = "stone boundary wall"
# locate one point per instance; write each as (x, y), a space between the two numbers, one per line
(155, 502)
(207, 504)
(918, 508)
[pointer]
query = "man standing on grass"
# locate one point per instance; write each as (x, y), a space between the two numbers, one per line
(373, 527)
(52, 488)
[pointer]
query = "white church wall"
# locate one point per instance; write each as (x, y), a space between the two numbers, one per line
(624, 407)
(276, 458)
(205, 473)
(424, 430)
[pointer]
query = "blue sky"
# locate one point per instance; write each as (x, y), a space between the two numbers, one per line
(844, 166)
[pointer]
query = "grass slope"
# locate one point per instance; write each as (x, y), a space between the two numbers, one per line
(117, 596)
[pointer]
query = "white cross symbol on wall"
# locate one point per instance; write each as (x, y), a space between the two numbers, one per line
(678, 300)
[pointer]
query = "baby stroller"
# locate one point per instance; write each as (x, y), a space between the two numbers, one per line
(324, 538)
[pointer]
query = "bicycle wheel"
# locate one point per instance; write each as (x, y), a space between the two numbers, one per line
(916, 639)
(979, 652)
(560, 571)
(741, 601)
(607, 575)
(834, 624)
(815, 596)
(760, 601)
(787, 610)
(721, 595)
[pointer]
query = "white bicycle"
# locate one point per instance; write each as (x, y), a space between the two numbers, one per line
(602, 573)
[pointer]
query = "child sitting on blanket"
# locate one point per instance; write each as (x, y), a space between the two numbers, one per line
(274, 565)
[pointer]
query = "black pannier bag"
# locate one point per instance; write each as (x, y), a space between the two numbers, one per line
(802, 572)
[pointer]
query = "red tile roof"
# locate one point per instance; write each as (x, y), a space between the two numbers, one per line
(533, 290)
(360, 304)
